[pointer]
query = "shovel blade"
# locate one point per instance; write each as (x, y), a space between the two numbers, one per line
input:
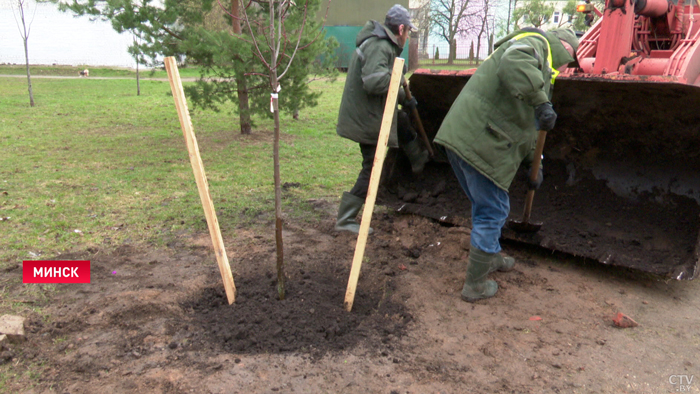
(524, 226)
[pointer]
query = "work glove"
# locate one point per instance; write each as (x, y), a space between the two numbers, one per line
(538, 182)
(410, 104)
(546, 116)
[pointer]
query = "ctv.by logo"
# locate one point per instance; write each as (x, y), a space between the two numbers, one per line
(682, 382)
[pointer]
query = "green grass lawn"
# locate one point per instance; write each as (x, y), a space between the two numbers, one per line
(95, 165)
(441, 64)
(108, 72)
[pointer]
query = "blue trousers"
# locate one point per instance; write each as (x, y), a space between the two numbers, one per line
(490, 204)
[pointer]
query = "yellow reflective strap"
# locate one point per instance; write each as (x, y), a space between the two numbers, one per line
(555, 72)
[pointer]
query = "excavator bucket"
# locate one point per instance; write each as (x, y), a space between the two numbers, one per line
(622, 165)
(622, 172)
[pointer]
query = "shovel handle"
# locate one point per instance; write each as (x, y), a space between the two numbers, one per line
(419, 124)
(534, 170)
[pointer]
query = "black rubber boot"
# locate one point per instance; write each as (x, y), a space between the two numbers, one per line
(476, 287)
(350, 206)
(416, 155)
(501, 263)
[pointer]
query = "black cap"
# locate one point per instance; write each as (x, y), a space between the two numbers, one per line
(398, 15)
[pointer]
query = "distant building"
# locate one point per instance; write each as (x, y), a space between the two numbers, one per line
(420, 12)
(346, 18)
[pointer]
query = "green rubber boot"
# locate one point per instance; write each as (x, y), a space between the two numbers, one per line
(501, 263)
(476, 287)
(417, 156)
(350, 206)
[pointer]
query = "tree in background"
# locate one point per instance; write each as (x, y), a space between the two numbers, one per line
(222, 51)
(512, 4)
(24, 29)
(569, 15)
(578, 19)
(483, 23)
(533, 13)
(449, 19)
(134, 52)
(197, 32)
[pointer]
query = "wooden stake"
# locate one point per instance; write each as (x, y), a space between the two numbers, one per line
(387, 119)
(200, 177)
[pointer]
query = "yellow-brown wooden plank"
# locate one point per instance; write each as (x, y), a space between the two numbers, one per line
(200, 177)
(387, 119)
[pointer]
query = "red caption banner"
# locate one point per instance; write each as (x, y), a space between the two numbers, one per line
(56, 271)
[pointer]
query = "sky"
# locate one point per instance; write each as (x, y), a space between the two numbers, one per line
(59, 38)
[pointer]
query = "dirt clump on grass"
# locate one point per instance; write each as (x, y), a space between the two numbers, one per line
(156, 320)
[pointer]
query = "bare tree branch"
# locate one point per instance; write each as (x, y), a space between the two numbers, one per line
(303, 25)
(258, 53)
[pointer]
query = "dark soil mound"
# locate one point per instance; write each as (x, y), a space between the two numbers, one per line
(310, 319)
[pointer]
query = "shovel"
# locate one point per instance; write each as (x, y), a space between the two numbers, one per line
(525, 225)
(419, 124)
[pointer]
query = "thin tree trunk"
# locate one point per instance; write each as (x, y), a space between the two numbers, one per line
(25, 38)
(241, 80)
(274, 83)
(243, 105)
(278, 201)
(138, 83)
(453, 51)
(235, 17)
(511, 7)
(29, 76)
(478, 48)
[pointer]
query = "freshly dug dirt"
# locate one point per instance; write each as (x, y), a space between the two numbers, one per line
(621, 166)
(581, 215)
(157, 321)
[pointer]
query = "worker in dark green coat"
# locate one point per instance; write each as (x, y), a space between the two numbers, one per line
(362, 106)
(491, 129)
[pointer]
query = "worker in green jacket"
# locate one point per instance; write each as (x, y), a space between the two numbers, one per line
(491, 129)
(362, 106)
